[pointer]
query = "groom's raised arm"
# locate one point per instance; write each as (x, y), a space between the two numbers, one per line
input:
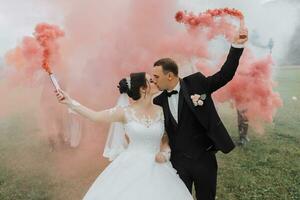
(227, 71)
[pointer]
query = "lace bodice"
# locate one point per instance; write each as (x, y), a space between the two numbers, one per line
(144, 133)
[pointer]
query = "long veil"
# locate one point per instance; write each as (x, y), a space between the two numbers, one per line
(116, 141)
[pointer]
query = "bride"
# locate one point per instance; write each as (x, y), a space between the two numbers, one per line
(137, 144)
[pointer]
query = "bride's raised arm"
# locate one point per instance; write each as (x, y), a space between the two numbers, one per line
(115, 114)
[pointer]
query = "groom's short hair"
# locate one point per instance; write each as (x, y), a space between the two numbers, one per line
(168, 65)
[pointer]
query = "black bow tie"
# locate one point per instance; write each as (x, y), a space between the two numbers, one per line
(169, 94)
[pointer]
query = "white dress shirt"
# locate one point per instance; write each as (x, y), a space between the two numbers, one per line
(173, 102)
(238, 46)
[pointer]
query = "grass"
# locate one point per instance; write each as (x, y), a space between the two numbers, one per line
(22, 174)
(268, 168)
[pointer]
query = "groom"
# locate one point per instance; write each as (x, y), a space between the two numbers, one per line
(192, 123)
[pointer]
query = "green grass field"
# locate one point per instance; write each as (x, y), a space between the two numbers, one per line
(268, 168)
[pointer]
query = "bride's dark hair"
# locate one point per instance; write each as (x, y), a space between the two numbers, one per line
(137, 80)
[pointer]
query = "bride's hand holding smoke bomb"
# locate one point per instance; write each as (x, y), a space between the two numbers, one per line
(63, 97)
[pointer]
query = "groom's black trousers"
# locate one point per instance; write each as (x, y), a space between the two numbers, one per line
(201, 171)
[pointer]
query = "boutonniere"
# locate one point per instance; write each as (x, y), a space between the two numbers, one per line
(198, 100)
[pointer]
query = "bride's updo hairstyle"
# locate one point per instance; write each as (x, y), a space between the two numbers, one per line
(132, 85)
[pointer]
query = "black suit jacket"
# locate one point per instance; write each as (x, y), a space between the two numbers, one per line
(206, 114)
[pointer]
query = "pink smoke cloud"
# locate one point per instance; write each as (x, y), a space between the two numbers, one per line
(105, 41)
(251, 89)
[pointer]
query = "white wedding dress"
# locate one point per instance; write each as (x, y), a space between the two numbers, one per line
(134, 174)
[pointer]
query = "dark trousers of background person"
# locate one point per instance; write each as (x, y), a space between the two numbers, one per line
(242, 127)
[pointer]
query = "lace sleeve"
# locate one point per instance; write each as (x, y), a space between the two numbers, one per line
(165, 147)
(161, 115)
(115, 114)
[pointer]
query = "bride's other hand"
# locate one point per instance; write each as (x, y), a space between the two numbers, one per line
(63, 97)
(160, 158)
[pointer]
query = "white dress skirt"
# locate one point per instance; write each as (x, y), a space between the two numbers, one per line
(134, 174)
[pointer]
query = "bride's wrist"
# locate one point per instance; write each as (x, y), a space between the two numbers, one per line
(73, 104)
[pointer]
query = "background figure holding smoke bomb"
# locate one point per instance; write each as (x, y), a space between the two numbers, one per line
(73, 123)
(51, 121)
(73, 129)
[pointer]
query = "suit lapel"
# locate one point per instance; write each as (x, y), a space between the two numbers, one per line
(180, 102)
(186, 96)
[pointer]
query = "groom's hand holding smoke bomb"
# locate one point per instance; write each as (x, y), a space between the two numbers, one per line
(242, 36)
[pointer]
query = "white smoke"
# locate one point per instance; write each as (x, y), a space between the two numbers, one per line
(18, 18)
